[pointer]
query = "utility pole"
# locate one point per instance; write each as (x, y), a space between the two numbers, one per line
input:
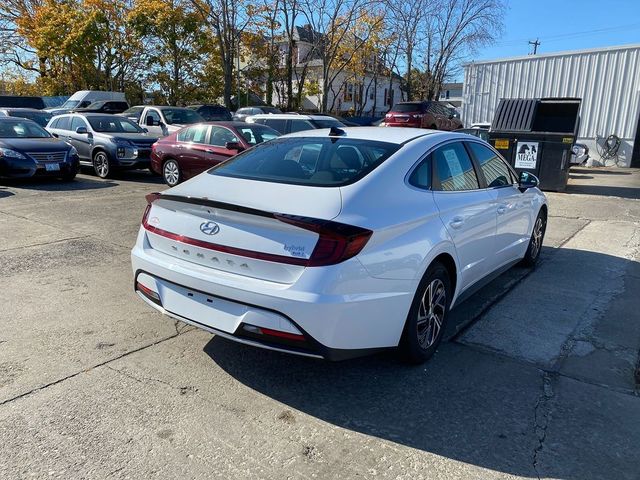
(535, 44)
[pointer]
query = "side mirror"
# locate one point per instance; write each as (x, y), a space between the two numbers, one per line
(527, 180)
(81, 130)
(233, 146)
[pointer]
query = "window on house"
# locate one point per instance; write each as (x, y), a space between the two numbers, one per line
(348, 92)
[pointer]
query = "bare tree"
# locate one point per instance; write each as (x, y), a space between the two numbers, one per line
(456, 30)
(227, 19)
(408, 20)
(333, 22)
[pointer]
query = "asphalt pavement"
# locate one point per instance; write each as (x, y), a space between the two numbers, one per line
(538, 378)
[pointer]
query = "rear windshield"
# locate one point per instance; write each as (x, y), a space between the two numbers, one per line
(407, 107)
(19, 128)
(181, 116)
(113, 124)
(315, 161)
(41, 118)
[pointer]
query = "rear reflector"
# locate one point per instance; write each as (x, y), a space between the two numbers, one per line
(147, 292)
(273, 333)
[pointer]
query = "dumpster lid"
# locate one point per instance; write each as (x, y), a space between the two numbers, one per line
(550, 115)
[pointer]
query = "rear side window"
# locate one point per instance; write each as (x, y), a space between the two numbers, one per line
(300, 125)
(315, 161)
(421, 176)
(275, 123)
(54, 123)
(454, 168)
(64, 123)
(495, 170)
(197, 134)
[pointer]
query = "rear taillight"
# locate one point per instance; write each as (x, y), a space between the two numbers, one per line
(337, 242)
(152, 197)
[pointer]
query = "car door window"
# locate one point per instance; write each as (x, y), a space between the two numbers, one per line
(220, 136)
(64, 123)
(195, 134)
(77, 122)
(276, 124)
(454, 169)
(153, 114)
(300, 126)
(495, 170)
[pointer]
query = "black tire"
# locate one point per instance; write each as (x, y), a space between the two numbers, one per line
(102, 164)
(171, 172)
(422, 333)
(535, 242)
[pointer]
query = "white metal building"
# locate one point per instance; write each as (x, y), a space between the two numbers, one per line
(606, 79)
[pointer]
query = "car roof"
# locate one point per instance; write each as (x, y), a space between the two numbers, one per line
(398, 135)
(23, 109)
(290, 116)
(232, 123)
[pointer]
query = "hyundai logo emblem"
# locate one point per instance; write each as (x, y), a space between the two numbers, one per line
(209, 228)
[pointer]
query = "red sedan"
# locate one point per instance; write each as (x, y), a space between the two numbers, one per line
(197, 148)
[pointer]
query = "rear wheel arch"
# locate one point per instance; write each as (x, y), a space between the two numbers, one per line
(450, 264)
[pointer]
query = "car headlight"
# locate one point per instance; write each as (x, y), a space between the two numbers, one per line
(7, 152)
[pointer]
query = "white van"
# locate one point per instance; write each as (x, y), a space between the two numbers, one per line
(84, 98)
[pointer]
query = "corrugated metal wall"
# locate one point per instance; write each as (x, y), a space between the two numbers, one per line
(607, 81)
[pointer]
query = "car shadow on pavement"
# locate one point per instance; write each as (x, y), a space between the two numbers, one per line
(5, 193)
(54, 184)
(466, 404)
(605, 191)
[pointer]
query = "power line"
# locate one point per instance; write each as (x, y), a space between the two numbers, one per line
(564, 36)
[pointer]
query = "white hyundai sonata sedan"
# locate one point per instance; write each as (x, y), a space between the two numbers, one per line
(338, 243)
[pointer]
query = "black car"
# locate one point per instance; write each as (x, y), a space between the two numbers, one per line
(28, 150)
(41, 117)
(19, 101)
(212, 113)
(104, 106)
(105, 142)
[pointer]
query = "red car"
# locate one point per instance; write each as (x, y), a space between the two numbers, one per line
(196, 148)
(434, 115)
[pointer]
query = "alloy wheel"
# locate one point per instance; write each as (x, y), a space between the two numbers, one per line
(536, 238)
(431, 313)
(171, 173)
(101, 165)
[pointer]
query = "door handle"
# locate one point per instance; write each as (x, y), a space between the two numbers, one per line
(502, 209)
(456, 222)
(208, 150)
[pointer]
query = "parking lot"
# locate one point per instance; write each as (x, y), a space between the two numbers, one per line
(538, 379)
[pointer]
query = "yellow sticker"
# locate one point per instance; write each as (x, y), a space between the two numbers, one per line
(502, 144)
(567, 140)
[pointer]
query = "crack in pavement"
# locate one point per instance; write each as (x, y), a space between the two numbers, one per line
(84, 370)
(182, 390)
(541, 418)
(44, 243)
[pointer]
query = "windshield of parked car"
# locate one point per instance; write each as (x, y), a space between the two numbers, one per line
(254, 134)
(314, 161)
(181, 116)
(41, 118)
(407, 107)
(96, 105)
(20, 128)
(113, 124)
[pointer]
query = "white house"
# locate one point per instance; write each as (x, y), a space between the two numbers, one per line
(372, 95)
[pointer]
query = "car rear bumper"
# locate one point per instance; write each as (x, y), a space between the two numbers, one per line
(332, 326)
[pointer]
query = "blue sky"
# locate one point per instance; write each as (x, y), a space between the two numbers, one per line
(565, 25)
